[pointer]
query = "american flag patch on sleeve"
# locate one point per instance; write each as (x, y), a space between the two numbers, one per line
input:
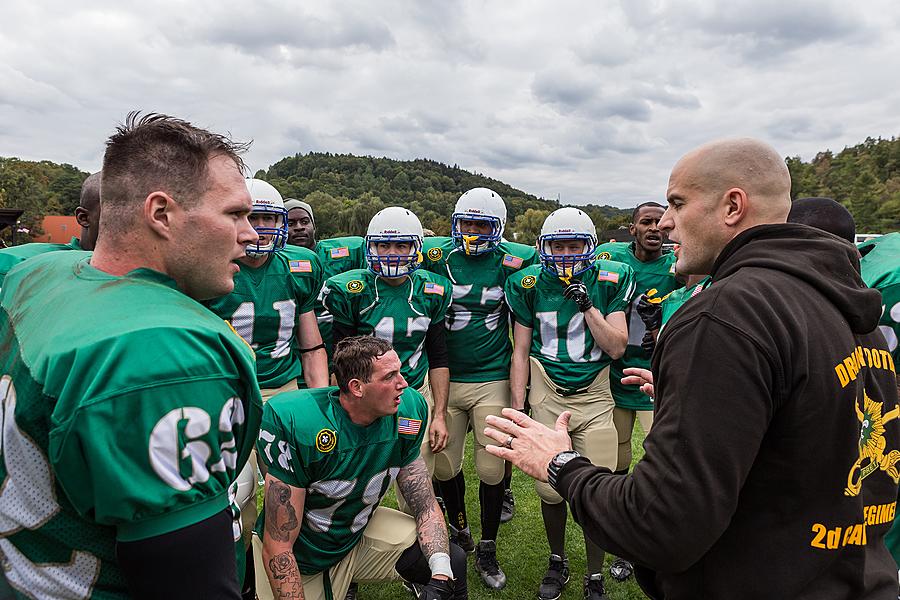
(434, 288)
(512, 261)
(607, 276)
(342, 252)
(408, 426)
(301, 266)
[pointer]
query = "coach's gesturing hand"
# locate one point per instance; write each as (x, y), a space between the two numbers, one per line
(526, 443)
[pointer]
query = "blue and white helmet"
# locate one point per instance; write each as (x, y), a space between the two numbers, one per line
(266, 199)
(394, 224)
(567, 223)
(478, 204)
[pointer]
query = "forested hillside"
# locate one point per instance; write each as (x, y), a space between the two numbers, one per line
(347, 190)
(864, 178)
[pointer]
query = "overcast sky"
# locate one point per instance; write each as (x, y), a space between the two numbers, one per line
(592, 101)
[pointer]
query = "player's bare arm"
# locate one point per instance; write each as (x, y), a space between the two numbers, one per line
(415, 485)
(609, 332)
(284, 512)
(439, 379)
(518, 366)
(315, 362)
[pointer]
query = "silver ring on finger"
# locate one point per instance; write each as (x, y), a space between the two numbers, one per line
(508, 442)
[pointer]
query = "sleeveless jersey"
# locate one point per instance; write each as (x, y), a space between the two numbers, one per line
(308, 441)
(478, 343)
(265, 306)
(880, 267)
(658, 274)
(10, 257)
(337, 255)
(129, 428)
(561, 340)
(401, 315)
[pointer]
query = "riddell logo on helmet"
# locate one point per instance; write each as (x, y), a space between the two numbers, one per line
(390, 231)
(476, 211)
(566, 230)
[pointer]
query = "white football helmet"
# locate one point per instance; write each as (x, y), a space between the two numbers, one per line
(394, 224)
(567, 223)
(478, 204)
(266, 199)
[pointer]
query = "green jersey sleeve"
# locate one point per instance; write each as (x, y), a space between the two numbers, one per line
(276, 448)
(519, 292)
(622, 284)
(341, 294)
(307, 276)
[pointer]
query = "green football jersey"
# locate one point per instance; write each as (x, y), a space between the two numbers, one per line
(265, 307)
(880, 268)
(308, 441)
(561, 340)
(131, 427)
(401, 315)
(337, 255)
(658, 274)
(675, 300)
(477, 322)
(10, 257)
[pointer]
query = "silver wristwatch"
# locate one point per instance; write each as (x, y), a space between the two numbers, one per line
(556, 463)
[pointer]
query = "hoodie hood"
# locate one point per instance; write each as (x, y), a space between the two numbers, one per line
(824, 261)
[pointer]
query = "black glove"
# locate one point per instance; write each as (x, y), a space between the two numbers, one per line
(650, 312)
(648, 343)
(437, 589)
(577, 292)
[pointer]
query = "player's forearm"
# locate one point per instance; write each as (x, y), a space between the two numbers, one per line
(439, 379)
(414, 483)
(315, 368)
(611, 340)
(518, 379)
(284, 576)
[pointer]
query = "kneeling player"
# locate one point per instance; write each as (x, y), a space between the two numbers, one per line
(331, 454)
(570, 323)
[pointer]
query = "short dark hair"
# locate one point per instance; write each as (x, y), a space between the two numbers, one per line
(355, 356)
(156, 152)
(825, 214)
(642, 205)
(90, 192)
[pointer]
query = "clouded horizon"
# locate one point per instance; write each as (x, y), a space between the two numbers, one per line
(593, 102)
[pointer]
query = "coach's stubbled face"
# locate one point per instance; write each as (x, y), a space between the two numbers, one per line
(381, 394)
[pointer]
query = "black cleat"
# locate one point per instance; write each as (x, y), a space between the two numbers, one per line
(351, 591)
(555, 579)
(487, 566)
(593, 588)
(413, 588)
(463, 539)
(509, 507)
(621, 569)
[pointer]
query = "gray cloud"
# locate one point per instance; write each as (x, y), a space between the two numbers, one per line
(803, 127)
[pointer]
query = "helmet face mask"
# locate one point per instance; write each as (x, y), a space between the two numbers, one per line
(272, 232)
(482, 205)
(394, 225)
(566, 225)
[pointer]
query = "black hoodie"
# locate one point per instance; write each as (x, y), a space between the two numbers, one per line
(770, 471)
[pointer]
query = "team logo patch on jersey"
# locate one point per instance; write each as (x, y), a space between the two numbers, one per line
(408, 426)
(342, 252)
(608, 276)
(512, 261)
(300, 266)
(435, 254)
(326, 440)
(355, 286)
(434, 288)
(528, 281)
(604, 256)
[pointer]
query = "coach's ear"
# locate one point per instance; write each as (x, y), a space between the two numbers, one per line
(160, 211)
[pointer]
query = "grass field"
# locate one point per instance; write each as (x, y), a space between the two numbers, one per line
(521, 547)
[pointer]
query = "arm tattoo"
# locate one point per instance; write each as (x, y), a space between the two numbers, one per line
(415, 485)
(285, 577)
(281, 518)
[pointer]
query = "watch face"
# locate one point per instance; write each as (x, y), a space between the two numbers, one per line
(564, 457)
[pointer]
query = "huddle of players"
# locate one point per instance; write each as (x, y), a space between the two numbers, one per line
(445, 306)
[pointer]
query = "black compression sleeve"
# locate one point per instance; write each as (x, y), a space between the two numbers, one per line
(340, 331)
(194, 562)
(436, 346)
